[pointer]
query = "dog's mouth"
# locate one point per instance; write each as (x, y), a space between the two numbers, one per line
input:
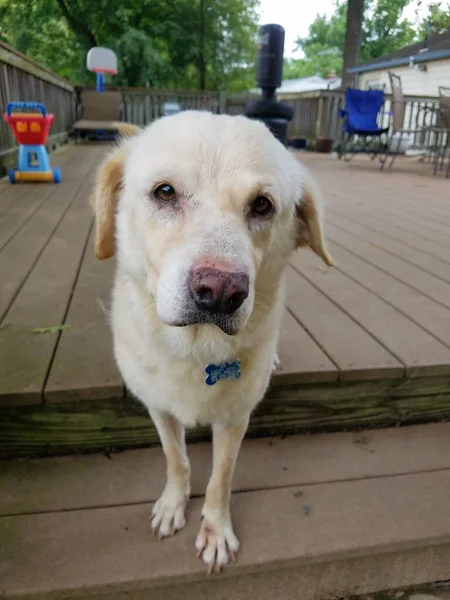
(226, 323)
(183, 309)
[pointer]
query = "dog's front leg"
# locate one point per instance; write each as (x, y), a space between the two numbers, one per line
(168, 511)
(216, 541)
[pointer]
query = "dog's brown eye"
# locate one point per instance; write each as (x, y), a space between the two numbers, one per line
(165, 193)
(261, 206)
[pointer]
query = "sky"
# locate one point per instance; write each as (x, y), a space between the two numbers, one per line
(297, 15)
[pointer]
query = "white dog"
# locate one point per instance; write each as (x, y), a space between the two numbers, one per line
(204, 211)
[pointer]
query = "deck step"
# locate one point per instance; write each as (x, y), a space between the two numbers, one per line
(318, 516)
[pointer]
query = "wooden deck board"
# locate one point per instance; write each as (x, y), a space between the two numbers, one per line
(25, 356)
(357, 354)
(427, 313)
(414, 277)
(391, 208)
(84, 365)
(430, 264)
(13, 194)
(414, 200)
(301, 359)
(12, 220)
(19, 256)
(423, 210)
(370, 222)
(367, 342)
(335, 545)
(422, 237)
(418, 350)
(73, 483)
(27, 204)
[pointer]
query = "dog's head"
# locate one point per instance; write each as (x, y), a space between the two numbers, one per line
(203, 208)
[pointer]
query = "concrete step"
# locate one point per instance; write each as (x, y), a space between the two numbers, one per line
(318, 517)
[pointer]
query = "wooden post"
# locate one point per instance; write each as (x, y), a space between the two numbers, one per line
(201, 58)
(319, 118)
(223, 101)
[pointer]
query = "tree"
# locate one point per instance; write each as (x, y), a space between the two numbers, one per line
(77, 20)
(352, 42)
(168, 43)
(437, 20)
(140, 63)
(231, 28)
(383, 31)
(40, 34)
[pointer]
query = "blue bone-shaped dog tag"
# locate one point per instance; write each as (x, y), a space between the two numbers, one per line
(222, 371)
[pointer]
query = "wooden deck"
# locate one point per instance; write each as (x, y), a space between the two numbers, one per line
(366, 343)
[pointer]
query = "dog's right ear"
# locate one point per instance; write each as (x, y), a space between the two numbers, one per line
(105, 198)
(107, 189)
(104, 203)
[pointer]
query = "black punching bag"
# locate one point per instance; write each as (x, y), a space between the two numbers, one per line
(269, 71)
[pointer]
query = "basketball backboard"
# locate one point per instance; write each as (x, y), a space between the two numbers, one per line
(102, 60)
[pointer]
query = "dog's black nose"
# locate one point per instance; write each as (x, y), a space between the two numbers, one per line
(218, 291)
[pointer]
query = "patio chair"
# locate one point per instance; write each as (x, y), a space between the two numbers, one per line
(424, 144)
(100, 112)
(443, 130)
(444, 104)
(361, 132)
(398, 107)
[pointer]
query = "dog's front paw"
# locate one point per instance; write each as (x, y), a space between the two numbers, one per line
(216, 542)
(168, 512)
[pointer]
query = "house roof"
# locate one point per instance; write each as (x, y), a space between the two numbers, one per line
(437, 48)
(305, 84)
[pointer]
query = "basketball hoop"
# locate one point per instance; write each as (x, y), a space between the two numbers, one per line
(101, 61)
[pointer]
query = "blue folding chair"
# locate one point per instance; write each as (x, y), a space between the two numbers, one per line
(360, 129)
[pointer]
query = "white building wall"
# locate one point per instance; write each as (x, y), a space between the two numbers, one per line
(414, 81)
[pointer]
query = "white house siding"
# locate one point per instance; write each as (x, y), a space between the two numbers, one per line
(414, 81)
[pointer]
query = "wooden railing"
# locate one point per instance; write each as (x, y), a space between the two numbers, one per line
(141, 106)
(235, 104)
(23, 79)
(316, 113)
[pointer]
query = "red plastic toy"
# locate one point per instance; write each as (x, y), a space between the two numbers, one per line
(31, 131)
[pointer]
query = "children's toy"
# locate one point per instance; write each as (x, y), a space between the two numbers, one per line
(101, 61)
(100, 109)
(31, 131)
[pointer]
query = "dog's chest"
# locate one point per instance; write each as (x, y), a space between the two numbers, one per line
(195, 393)
(192, 378)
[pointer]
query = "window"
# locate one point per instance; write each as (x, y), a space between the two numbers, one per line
(375, 84)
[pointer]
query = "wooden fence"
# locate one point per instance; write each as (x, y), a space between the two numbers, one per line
(316, 113)
(141, 106)
(25, 80)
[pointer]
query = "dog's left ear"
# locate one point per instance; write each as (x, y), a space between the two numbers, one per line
(309, 224)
